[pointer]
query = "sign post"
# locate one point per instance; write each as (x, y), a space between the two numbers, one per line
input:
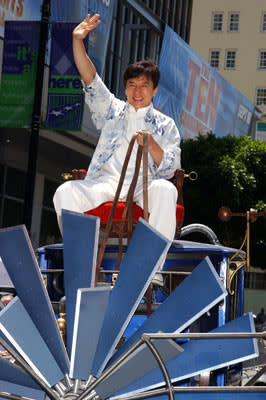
(36, 115)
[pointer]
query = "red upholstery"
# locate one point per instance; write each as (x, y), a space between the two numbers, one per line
(104, 210)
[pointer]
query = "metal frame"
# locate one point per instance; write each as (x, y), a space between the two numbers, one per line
(145, 339)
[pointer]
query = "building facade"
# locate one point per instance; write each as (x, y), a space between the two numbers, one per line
(231, 36)
(136, 33)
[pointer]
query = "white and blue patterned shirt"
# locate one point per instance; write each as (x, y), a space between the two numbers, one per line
(112, 117)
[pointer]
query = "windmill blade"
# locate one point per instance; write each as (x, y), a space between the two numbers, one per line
(23, 269)
(197, 294)
(90, 309)
(80, 237)
(18, 390)
(202, 355)
(17, 326)
(14, 380)
(144, 256)
(136, 365)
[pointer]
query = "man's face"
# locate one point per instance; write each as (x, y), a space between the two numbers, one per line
(140, 91)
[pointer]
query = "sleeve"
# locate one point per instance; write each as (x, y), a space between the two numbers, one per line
(171, 157)
(100, 100)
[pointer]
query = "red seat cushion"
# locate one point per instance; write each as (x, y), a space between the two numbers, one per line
(103, 211)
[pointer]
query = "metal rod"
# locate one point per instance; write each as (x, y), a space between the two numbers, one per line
(234, 335)
(234, 389)
(111, 369)
(13, 396)
(256, 376)
(161, 363)
(29, 370)
(68, 381)
(194, 389)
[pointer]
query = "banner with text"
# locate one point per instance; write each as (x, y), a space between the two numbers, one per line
(65, 94)
(196, 96)
(18, 10)
(19, 73)
(30, 10)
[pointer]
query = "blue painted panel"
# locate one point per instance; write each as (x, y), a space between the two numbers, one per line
(254, 395)
(80, 237)
(204, 355)
(19, 390)
(12, 373)
(18, 327)
(140, 362)
(90, 309)
(21, 264)
(144, 255)
(199, 292)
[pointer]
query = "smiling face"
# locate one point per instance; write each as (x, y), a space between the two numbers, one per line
(140, 91)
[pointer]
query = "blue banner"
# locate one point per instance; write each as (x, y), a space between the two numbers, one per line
(98, 39)
(196, 96)
(68, 10)
(65, 94)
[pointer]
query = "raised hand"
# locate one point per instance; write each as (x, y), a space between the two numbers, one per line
(87, 25)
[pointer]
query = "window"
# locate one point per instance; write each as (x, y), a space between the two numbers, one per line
(214, 58)
(233, 22)
(261, 96)
(262, 59)
(217, 22)
(230, 59)
(263, 22)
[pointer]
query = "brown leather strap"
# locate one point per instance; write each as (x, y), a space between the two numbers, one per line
(129, 201)
(128, 207)
(145, 177)
(146, 211)
(111, 215)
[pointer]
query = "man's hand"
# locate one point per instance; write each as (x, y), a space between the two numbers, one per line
(153, 148)
(82, 60)
(86, 26)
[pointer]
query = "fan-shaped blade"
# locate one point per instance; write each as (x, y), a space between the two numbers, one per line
(13, 388)
(144, 256)
(203, 355)
(138, 364)
(17, 326)
(21, 264)
(80, 237)
(90, 309)
(14, 380)
(198, 293)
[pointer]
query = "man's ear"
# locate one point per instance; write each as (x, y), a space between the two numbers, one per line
(155, 91)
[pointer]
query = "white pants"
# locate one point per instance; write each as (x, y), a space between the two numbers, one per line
(84, 195)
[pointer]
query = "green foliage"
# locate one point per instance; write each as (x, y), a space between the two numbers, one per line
(232, 172)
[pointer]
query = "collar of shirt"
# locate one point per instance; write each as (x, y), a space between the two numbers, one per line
(141, 112)
(130, 110)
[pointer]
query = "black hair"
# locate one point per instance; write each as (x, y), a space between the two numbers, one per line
(145, 67)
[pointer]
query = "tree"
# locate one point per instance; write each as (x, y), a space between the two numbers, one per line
(232, 172)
